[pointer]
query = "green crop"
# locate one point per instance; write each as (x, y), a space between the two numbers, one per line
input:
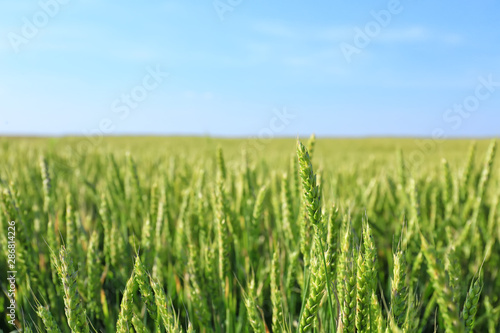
(191, 235)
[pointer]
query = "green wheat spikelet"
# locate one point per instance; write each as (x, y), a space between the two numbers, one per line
(252, 312)
(126, 307)
(366, 280)
(316, 292)
(93, 274)
(48, 320)
(75, 313)
(399, 289)
(142, 280)
(197, 292)
(222, 232)
(221, 165)
(259, 205)
(47, 184)
(138, 324)
(311, 191)
(276, 297)
(287, 209)
(467, 172)
(471, 303)
(311, 143)
(448, 308)
(348, 305)
(168, 320)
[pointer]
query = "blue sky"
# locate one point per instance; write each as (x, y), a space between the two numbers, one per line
(250, 67)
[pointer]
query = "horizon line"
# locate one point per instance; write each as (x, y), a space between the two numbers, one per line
(229, 137)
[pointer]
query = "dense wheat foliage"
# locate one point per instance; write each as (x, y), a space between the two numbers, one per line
(203, 235)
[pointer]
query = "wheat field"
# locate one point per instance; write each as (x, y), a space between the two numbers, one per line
(284, 235)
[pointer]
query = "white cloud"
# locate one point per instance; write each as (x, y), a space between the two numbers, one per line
(410, 34)
(193, 95)
(18, 6)
(276, 29)
(418, 34)
(335, 34)
(321, 58)
(72, 39)
(452, 39)
(342, 33)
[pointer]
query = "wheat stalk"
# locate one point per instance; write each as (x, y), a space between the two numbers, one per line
(471, 303)
(75, 313)
(126, 306)
(48, 321)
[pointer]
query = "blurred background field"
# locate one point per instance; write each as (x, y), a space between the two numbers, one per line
(332, 152)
